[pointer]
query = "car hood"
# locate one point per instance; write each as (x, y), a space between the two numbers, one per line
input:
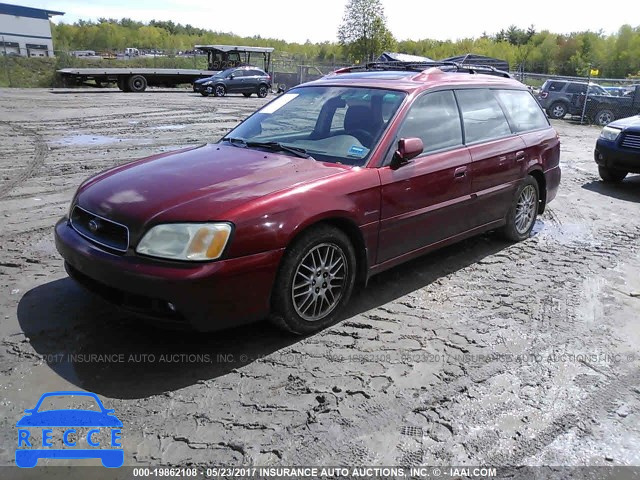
(631, 123)
(207, 79)
(69, 418)
(196, 184)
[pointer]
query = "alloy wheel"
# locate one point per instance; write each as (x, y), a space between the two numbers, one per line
(526, 209)
(319, 281)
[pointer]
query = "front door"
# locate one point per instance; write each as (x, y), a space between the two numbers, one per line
(426, 200)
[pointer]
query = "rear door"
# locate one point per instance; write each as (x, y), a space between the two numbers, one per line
(426, 200)
(497, 154)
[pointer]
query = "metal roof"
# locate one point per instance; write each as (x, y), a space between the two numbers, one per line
(29, 12)
(234, 48)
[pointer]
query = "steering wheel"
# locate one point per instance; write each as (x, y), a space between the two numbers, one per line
(364, 137)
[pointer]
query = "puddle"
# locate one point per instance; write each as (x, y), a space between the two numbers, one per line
(562, 234)
(87, 140)
(168, 127)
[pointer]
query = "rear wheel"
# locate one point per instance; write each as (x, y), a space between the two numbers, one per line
(137, 83)
(611, 175)
(523, 212)
(315, 281)
(219, 91)
(263, 91)
(604, 117)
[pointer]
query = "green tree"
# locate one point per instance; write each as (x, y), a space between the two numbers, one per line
(363, 33)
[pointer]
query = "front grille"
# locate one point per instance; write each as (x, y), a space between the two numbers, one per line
(100, 230)
(631, 140)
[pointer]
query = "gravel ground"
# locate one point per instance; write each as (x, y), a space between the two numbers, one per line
(484, 353)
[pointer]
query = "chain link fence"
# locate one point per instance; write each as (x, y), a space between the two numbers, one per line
(589, 100)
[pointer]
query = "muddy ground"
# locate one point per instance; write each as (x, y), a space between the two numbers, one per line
(485, 353)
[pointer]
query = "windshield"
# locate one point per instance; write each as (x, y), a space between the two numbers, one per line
(331, 124)
(225, 73)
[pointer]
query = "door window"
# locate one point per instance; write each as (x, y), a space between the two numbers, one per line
(434, 118)
(482, 116)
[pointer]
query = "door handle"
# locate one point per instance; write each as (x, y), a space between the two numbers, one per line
(460, 172)
(520, 156)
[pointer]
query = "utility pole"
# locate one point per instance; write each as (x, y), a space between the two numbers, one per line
(586, 96)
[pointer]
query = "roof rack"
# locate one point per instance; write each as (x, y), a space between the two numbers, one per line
(420, 66)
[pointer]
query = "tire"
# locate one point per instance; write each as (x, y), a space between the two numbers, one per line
(220, 90)
(298, 304)
(246, 95)
(603, 117)
(263, 91)
(122, 84)
(611, 175)
(523, 211)
(137, 83)
(557, 110)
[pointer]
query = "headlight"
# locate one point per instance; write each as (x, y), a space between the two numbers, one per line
(610, 133)
(208, 83)
(186, 241)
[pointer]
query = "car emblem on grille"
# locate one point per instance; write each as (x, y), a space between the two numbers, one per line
(94, 225)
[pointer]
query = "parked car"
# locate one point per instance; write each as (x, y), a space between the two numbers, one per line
(617, 151)
(555, 95)
(245, 80)
(604, 109)
(616, 91)
(330, 183)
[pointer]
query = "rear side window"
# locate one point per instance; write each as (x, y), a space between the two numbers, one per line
(256, 73)
(553, 86)
(524, 112)
(482, 116)
(576, 88)
(434, 118)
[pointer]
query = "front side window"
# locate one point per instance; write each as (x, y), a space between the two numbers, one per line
(332, 124)
(482, 116)
(523, 110)
(434, 118)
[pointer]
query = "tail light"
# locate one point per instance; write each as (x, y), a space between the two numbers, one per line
(544, 94)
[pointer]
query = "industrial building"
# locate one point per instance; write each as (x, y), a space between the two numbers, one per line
(25, 31)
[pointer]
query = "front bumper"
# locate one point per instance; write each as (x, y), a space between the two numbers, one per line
(204, 296)
(201, 87)
(608, 154)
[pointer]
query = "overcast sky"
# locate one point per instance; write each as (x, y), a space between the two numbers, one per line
(299, 20)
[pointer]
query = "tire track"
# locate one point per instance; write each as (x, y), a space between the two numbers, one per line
(40, 151)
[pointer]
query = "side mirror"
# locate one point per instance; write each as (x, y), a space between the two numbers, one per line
(231, 76)
(408, 148)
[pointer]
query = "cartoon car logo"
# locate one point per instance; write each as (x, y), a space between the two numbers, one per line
(102, 427)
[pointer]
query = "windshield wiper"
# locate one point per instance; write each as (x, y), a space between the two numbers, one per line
(273, 146)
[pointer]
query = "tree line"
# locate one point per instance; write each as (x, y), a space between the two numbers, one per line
(363, 35)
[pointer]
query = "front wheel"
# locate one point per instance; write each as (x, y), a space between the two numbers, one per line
(315, 281)
(557, 110)
(219, 91)
(523, 212)
(611, 175)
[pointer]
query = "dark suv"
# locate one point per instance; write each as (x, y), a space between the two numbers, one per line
(245, 80)
(555, 95)
(617, 150)
(328, 184)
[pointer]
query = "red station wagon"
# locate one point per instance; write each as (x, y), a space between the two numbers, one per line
(325, 186)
